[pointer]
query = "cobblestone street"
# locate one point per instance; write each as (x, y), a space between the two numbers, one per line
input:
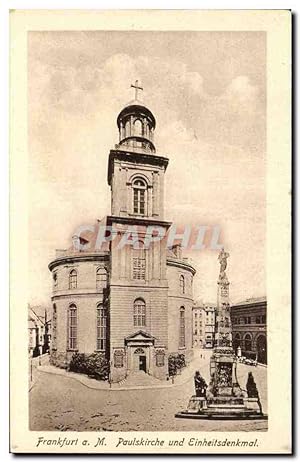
(62, 403)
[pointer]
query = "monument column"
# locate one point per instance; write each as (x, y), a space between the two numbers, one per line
(224, 396)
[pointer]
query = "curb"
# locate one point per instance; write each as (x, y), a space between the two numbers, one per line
(83, 380)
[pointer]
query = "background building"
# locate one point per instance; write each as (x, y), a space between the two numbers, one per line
(39, 330)
(203, 325)
(132, 304)
(210, 314)
(198, 325)
(249, 328)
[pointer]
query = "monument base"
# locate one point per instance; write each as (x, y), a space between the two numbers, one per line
(223, 407)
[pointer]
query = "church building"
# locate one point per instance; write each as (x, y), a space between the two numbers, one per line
(132, 304)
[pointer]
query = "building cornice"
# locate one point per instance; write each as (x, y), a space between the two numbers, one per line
(137, 221)
(182, 264)
(79, 257)
(134, 157)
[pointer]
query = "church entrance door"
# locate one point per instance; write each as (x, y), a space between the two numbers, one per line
(142, 363)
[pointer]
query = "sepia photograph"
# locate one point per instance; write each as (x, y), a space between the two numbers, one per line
(142, 300)
(148, 285)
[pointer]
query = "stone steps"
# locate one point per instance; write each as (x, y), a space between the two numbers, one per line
(139, 379)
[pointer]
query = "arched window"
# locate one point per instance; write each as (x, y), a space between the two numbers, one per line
(101, 326)
(182, 284)
(182, 327)
(139, 196)
(138, 128)
(139, 263)
(101, 278)
(261, 344)
(236, 342)
(139, 313)
(72, 327)
(55, 279)
(248, 342)
(73, 279)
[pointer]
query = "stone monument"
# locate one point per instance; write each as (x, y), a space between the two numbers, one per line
(224, 396)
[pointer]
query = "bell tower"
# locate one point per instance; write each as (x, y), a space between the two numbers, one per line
(135, 171)
(138, 276)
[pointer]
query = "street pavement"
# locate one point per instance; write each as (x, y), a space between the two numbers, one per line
(64, 404)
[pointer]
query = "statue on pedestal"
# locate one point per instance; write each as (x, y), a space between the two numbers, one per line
(223, 397)
(223, 256)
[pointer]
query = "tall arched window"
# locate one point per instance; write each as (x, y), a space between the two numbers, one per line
(182, 284)
(139, 196)
(101, 278)
(182, 327)
(139, 263)
(101, 326)
(73, 279)
(248, 342)
(54, 327)
(139, 313)
(72, 327)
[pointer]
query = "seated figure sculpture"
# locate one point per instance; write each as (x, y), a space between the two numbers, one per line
(200, 385)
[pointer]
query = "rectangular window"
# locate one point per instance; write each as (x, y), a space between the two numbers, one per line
(142, 201)
(101, 328)
(135, 201)
(139, 268)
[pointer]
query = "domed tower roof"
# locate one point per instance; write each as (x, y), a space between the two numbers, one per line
(136, 125)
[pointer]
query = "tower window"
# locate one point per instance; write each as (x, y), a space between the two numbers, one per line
(101, 278)
(139, 264)
(139, 313)
(73, 279)
(101, 327)
(139, 196)
(138, 128)
(72, 327)
(182, 327)
(127, 129)
(182, 284)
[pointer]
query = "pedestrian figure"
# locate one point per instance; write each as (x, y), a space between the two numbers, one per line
(252, 390)
(200, 385)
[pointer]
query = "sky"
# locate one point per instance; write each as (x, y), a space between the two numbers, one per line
(207, 91)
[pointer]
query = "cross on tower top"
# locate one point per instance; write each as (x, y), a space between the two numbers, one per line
(137, 88)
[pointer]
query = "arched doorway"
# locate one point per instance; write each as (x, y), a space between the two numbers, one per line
(140, 360)
(261, 345)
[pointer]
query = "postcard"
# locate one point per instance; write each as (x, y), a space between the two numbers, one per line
(150, 231)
